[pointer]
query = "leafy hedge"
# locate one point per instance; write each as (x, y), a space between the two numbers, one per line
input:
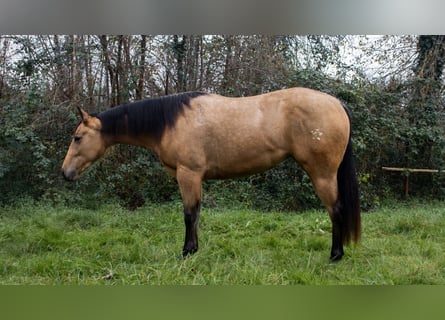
(35, 134)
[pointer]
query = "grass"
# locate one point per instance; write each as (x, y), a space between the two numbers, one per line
(40, 244)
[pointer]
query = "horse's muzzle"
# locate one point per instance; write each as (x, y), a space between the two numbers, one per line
(69, 175)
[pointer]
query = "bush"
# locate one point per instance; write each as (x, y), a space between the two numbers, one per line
(35, 134)
(135, 176)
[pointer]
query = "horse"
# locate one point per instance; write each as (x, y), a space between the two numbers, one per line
(199, 136)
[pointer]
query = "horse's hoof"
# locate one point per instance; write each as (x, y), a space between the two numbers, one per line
(336, 257)
(186, 251)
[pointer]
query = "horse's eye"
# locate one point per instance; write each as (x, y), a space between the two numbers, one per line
(77, 139)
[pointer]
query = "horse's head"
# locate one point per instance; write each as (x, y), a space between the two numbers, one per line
(87, 146)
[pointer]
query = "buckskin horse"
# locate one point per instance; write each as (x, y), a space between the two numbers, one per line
(200, 136)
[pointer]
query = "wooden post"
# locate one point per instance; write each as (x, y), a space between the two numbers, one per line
(406, 185)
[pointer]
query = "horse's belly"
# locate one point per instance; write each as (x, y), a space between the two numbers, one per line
(242, 164)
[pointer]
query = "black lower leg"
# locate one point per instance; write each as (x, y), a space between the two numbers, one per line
(191, 219)
(337, 239)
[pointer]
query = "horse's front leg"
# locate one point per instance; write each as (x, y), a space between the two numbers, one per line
(191, 219)
(190, 184)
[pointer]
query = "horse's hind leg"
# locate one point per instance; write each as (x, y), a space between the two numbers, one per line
(326, 188)
(337, 236)
(190, 184)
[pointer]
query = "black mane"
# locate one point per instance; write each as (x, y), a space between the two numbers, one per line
(148, 116)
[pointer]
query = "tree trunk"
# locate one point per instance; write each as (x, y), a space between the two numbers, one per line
(111, 73)
(425, 104)
(88, 71)
(141, 81)
(179, 49)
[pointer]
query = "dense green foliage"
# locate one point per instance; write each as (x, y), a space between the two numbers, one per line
(397, 120)
(41, 244)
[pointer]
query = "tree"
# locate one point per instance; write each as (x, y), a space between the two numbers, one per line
(392, 84)
(423, 109)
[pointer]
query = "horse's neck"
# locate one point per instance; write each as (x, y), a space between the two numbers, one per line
(144, 141)
(117, 130)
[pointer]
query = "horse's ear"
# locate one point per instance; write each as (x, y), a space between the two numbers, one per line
(83, 114)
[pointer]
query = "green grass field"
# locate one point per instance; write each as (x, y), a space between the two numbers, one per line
(39, 244)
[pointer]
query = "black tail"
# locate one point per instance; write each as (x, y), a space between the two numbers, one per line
(348, 201)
